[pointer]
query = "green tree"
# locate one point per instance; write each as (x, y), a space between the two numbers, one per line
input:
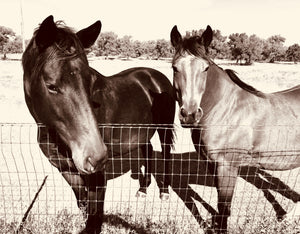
(254, 49)
(219, 47)
(238, 43)
(163, 48)
(106, 44)
(274, 49)
(246, 48)
(138, 49)
(293, 53)
(15, 45)
(6, 35)
(149, 49)
(125, 47)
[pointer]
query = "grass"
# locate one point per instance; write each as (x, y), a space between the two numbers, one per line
(22, 168)
(125, 223)
(115, 222)
(62, 222)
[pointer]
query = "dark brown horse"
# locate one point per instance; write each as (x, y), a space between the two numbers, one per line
(237, 124)
(67, 96)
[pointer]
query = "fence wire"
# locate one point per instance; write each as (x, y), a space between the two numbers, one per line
(261, 198)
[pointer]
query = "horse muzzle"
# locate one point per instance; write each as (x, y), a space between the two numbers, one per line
(91, 166)
(90, 162)
(190, 119)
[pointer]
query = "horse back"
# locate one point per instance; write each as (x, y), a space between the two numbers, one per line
(146, 90)
(139, 99)
(149, 78)
(132, 89)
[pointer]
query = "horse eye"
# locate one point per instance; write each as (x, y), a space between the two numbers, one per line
(52, 89)
(206, 69)
(175, 69)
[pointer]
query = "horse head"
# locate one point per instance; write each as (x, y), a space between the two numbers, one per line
(57, 85)
(190, 67)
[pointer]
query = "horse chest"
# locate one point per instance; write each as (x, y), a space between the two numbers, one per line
(124, 139)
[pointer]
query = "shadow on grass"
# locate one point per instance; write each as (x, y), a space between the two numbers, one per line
(116, 221)
(187, 169)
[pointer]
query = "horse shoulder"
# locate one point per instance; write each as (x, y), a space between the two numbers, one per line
(152, 79)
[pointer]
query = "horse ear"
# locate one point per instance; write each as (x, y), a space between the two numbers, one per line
(88, 35)
(207, 37)
(176, 37)
(46, 33)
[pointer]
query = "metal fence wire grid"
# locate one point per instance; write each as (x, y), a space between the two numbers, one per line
(263, 202)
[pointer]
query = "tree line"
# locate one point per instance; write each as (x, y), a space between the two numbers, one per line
(237, 46)
(109, 44)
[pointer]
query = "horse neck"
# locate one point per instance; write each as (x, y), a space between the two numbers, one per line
(102, 87)
(97, 75)
(101, 79)
(219, 89)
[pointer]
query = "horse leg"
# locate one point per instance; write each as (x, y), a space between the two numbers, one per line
(226, 180)
(86, 188)
(166, 139)
(145, 180)
(96, 187)
(201, 150)
(163, 110)
(78, 186)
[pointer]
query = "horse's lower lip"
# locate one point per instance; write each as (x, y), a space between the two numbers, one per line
(84, 172)
(196, 124)
(188, 123)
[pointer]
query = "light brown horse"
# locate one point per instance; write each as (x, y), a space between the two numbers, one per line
(237, 124)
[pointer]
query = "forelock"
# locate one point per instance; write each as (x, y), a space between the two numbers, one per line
(191, 46)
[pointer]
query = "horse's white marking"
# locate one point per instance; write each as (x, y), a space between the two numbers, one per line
(191, 71)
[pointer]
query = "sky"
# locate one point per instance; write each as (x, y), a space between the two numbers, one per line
(154, 19)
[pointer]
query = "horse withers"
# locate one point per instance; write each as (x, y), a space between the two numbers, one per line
(70, 100)
(237, 124)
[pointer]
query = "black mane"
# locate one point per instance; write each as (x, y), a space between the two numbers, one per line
(242, 84)
(193, 46)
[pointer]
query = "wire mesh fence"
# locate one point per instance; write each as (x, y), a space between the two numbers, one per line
(260, 203)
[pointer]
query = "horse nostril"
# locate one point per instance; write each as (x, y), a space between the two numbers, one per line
(183, 112)
(198, 114)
